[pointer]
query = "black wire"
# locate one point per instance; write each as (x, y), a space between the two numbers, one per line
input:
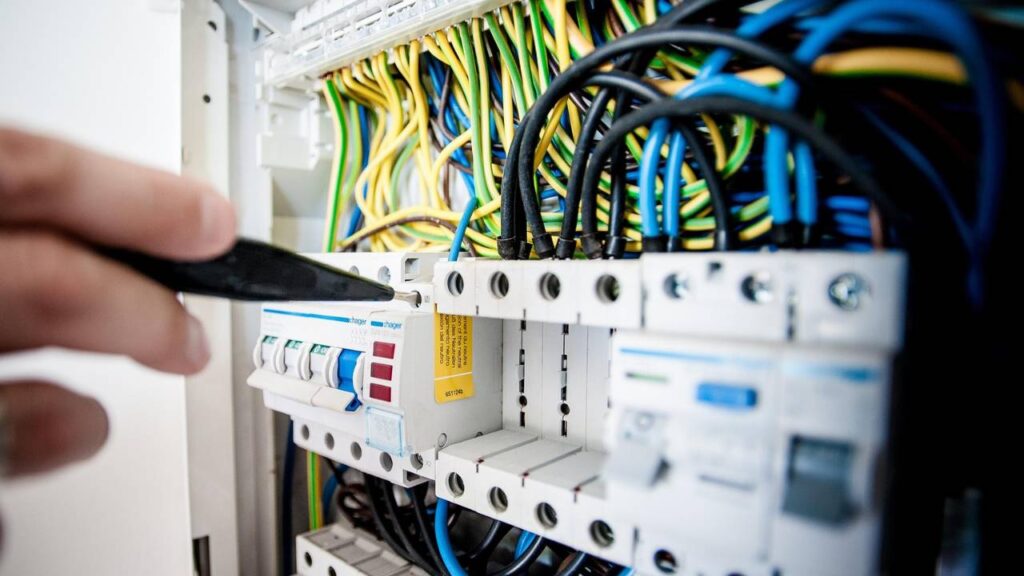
(637, 63)
(719, 202)
(508, 239)
(477, 557)
(591, 122)
(418, 495)
(802, 128)
(388, 493)
(379, 521)
(577, 562)
(688, 10)
(337, 476)
(523, 562)
(574, 75)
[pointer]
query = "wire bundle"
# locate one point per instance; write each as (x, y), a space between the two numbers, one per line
(647, 126)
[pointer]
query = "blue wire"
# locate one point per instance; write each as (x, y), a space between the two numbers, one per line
(648, 173)
(673, 182)
(627, 571)
(858, 247)
(460, 232)
(851, 219)
(449, 121)
(328, 493)
(928, 170)
(716, 85)
(747, 197)
(777, 172)
(860, 232)
(548, 193)
(329, 487)
(856, 203)
(946, 22)
(943, 21)
(453, 104)
(524, 541)
(357, 215)
(751, 27)
(444, 543)
(867, 27)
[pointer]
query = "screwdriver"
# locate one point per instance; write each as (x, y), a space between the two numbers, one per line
(257, 271)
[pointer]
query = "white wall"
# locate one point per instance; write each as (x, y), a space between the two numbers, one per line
(104, 73)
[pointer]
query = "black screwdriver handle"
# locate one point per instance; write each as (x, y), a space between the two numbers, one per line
(256, 271)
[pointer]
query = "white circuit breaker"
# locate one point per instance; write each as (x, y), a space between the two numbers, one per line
(747, 458)
(364, 381)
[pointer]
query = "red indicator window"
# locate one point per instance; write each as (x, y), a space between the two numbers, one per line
(380, 371)
(380, 392)
(384, 350)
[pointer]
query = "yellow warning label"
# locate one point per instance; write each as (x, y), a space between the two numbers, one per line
(453, 357)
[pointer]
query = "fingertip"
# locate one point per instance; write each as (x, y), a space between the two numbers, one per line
(217, 224)
(48, 427)
(184, 349)
(197, 347)
(90, 428)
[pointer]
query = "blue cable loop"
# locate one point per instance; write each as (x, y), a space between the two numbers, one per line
(751, 27)
(444, 543)
(716, 85)
(946, 22)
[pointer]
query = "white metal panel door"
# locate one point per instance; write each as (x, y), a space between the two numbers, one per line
(106, 74)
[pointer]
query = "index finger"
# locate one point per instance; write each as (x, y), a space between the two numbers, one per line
(43, 426)
(108, 201)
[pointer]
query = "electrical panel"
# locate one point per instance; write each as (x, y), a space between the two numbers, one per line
(663, 252)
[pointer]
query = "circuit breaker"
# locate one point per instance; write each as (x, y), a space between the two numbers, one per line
(380, 386)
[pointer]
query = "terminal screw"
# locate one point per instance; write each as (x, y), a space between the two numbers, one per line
(758, 288)
(848, 291)
(677, 286)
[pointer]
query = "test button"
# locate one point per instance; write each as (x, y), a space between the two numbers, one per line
(384, 350)
(380, 371)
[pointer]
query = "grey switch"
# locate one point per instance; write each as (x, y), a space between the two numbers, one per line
(817, 480)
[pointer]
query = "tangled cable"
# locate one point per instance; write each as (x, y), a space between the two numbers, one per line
(558, 119)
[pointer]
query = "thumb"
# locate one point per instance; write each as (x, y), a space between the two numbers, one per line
(43, 427)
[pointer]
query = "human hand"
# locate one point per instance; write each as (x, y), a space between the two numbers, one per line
(57, 201)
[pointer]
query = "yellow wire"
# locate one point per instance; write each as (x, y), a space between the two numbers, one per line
(560, 15)
(507, 124)
(933, 64)
(454, 62)
(650, 11)
(716, 140)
